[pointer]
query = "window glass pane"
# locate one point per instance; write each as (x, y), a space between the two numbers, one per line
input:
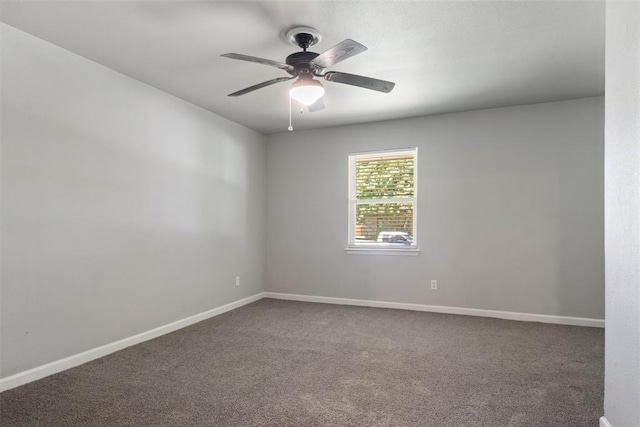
(384, 223)
(384, 177)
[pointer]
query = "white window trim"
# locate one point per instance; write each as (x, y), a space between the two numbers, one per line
(381, 249)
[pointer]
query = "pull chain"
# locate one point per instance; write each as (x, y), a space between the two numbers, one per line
(290, 128)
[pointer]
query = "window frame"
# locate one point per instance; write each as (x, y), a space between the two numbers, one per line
(381, 248)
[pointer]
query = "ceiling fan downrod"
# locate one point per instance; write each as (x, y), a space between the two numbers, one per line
(304, 40)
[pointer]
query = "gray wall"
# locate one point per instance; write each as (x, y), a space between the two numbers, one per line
(510, 211)
(123, 208)
(622, 224)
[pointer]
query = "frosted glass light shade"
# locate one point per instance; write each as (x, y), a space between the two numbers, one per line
(306, 91)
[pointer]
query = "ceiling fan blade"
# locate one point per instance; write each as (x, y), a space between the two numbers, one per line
(361, 81)
(316, 106)
(343, 50)
(269, 62)
(260, 86)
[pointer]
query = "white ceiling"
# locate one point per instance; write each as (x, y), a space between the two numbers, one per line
(443, 56)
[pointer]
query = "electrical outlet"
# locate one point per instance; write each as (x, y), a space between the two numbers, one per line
(237, 280)
(434, 285)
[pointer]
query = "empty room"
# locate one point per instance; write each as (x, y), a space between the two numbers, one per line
(320, 213)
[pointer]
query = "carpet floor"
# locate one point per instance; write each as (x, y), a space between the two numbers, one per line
(284, 363)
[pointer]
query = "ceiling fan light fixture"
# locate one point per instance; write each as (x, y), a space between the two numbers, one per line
(306, 91)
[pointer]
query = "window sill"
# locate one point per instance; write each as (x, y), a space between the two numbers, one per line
(382, 251)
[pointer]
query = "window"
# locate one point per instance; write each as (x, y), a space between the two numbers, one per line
(382, 202)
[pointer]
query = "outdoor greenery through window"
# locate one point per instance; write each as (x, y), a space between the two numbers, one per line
(382, 199)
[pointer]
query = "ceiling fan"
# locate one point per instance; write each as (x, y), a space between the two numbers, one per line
(304, 66)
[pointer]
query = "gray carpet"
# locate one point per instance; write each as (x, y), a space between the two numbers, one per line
(281, 363)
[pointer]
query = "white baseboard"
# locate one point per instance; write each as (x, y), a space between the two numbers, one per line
(604, 422)
(526, 317)
(78, 359)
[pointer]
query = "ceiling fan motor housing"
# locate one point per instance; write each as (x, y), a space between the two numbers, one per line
(301, 62)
